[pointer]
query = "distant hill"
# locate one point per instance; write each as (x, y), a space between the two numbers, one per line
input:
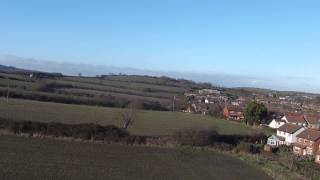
(7, 68)
(232, 79)
(153, 92)
(267, 91)
(147, 92)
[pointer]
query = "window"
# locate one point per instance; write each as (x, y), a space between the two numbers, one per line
(271, 141)
(309, 151)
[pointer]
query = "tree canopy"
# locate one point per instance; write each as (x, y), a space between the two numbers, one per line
(255, 113)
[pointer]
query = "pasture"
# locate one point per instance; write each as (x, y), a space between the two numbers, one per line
(108, 91)
(35, 158)
(147, 123)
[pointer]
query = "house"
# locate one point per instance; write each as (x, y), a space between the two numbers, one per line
(317, 158)
(275, 141)
(313, 121)
(307, 143)
(276, 123)
(233, 113)
(289, 132)
(296, 119)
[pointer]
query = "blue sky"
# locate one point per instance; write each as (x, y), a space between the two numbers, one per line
(267, 39)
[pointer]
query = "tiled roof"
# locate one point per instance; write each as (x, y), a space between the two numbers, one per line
(236, 114)
(289, 128)
(312, 118)
(311, 135)
(295, 119)
(235, 108)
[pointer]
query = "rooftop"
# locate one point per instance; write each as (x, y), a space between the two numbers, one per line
(289, 128)
(312, 118)
(311, 135)
(295, 118)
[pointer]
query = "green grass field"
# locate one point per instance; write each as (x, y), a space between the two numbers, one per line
(122, 85)
(148, 122)
(35, 158)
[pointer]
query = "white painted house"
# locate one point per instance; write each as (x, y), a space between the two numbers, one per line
(276, 123)
(286, 135)
(275, 141)
(289, 132)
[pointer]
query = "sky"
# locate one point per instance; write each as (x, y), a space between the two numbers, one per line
(274, 41)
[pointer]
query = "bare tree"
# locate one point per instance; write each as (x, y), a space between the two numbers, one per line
(128, 116)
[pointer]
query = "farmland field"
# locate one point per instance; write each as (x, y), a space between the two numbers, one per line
(35, 158)
(148, 122)
(108, 91)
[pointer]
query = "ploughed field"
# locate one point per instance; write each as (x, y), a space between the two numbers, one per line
(147, 123)
(35, 158)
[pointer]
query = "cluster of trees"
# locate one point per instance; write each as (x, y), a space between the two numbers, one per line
(255, 113)
(216, 110)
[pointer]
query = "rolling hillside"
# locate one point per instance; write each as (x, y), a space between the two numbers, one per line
(148, 122)
(154, 93)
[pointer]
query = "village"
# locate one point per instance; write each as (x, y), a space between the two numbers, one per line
(296, 122)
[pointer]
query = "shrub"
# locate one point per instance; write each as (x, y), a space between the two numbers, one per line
(195, 137)
(222, 146)
(136, 140)
(283, 149)
(216, 110)
(153, 105)
(244, 147)
(80, 131)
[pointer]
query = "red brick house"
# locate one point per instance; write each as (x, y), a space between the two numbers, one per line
(233, 113)
(313, 121)
(317, 158)
(307, 143)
